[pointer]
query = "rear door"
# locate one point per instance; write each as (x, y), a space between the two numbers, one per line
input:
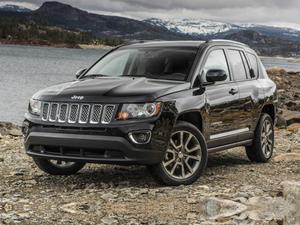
(248, 92)
(221, 100)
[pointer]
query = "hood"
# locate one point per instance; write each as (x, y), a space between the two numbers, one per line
(111, 89)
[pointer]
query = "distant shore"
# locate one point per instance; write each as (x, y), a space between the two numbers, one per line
(53, 45)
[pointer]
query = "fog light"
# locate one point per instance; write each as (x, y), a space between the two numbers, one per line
(140, 137)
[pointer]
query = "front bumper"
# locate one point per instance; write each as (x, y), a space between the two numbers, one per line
(105, 143)
(89, 148)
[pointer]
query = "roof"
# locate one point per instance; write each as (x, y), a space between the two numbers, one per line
(182, 43)
(166, 44)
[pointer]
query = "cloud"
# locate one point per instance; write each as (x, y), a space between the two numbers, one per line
(244, 11)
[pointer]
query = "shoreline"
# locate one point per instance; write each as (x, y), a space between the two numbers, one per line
(38, 43)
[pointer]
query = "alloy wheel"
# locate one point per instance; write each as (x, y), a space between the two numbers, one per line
(183, 156)
(267, 139)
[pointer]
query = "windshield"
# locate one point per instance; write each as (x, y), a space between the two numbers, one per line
(172, 63)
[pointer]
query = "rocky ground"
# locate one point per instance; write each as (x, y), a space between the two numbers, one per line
(233, 190)
(288, 86)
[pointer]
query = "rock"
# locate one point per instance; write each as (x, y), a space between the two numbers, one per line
(191, 216)
(281, 122)
(6, 127)
(287, 157)
(222, 208)
(17, 173)
(191, 200)
(108, 196)
(70, 208)
(268, 208)
(15, 133)
(293, 127)
(204, 187)
(291, 191)
(291, 116)
(109, 220)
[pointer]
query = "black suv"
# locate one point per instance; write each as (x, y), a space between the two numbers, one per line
(162, 104)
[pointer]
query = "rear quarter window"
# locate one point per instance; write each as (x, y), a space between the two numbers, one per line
(253, 63)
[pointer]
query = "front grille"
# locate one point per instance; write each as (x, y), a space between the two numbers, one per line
(77, 113)
(53, 112)
(84, 113)
(63, 110)
(107, 113)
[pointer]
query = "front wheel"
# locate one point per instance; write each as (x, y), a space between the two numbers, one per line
(261, 149)
(58, 167)
(185, 158)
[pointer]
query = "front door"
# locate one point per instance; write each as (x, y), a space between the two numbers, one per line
(222, 101)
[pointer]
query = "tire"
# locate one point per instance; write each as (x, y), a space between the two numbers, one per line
(68, 168)
(187, 153)
(262, 146)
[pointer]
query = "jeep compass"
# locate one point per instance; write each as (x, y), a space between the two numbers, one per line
(167, 105)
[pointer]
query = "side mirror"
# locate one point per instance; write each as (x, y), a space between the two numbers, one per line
(79, 73)
(215, 75)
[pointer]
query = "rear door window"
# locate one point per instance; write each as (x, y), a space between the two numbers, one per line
(238, 67)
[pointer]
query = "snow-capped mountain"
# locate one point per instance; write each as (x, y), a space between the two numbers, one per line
(14, 8)
(194, 27)
(201, 28)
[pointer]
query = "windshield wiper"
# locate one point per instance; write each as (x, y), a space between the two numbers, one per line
(94, 76)
(130, 75)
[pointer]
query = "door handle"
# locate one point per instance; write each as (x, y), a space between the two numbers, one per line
(233, 91)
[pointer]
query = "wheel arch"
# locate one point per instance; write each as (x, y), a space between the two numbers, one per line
(269, 109)
(193, 117)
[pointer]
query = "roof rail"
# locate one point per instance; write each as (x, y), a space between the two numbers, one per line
(227, 41)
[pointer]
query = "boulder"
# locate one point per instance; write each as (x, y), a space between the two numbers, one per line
(291, 116)
(287, 157)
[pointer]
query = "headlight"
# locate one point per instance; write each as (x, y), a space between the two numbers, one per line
(35, 107)
(136, 111)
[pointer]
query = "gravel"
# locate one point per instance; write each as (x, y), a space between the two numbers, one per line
(232, 191)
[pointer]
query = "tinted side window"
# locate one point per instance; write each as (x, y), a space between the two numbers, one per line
(253, 63)
(238, 68)
(215, 60)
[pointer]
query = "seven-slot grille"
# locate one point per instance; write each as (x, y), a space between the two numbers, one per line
(77, 113)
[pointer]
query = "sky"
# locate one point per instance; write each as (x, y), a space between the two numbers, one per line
(285, 13)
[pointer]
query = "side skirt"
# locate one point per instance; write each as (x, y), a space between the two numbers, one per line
(228, 146)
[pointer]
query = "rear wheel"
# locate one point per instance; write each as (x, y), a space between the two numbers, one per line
(261, 149)
(58, 167)
(185, 158)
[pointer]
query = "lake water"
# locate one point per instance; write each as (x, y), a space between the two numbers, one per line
(26, 69)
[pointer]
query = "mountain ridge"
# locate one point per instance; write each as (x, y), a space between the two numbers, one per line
(86, 27)
(14, 8)
(204, 28)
